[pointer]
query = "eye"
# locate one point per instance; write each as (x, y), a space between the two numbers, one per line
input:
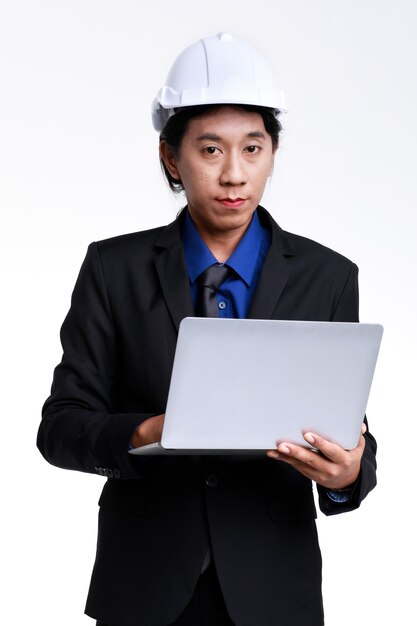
(210, 150)
(253, 149)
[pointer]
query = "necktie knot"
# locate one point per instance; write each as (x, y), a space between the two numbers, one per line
(209, 281)
(213, 276)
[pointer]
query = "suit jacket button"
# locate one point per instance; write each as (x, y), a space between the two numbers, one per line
(212, 480)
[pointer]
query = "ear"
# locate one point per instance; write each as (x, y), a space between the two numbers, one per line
(169, 159)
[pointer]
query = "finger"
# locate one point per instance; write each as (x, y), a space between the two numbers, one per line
(297, 454)
(305, 461)
(331, 450)
(273, 454)
(285, 458)
(362, 440)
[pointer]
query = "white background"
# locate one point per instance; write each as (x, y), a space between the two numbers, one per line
(78, 162)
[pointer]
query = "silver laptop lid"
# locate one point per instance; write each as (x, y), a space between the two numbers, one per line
(244, 384)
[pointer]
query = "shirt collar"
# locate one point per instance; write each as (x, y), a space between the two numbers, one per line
(245, 256)
(198, 257)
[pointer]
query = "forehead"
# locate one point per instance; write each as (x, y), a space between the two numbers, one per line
(226, 122)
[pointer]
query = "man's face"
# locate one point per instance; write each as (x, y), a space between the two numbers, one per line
(224, 161)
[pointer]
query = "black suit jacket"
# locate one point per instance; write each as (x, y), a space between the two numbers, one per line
(158, 514)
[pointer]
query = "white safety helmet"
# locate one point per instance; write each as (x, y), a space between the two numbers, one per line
(217, 70)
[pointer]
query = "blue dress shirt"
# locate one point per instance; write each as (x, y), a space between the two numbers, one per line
(235, 294)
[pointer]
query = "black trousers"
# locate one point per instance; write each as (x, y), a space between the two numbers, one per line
(206, 607)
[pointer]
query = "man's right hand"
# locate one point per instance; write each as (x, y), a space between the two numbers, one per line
(149, 431)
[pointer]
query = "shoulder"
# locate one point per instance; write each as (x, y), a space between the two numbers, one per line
(322, 284)
(129, 243)
(305, 251)
(135, 248)
(316, 252)
(316, 266)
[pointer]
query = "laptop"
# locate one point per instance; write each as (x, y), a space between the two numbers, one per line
(239, 386)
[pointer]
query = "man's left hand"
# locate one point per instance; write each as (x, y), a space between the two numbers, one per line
(332, 467)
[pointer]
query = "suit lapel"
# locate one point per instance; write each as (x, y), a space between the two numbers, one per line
(172, 273)
(275, 272)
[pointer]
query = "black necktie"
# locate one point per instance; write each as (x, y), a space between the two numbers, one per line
(208, 283)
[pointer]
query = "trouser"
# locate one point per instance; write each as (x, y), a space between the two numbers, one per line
(206, 607)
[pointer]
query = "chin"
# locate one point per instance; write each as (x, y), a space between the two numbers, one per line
(233, 219)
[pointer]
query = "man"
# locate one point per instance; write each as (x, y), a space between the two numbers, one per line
(216, 539)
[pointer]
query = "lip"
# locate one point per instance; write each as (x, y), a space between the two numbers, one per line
(232, 202)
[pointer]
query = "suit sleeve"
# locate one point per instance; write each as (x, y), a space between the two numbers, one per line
(347, 310)
(79, 430)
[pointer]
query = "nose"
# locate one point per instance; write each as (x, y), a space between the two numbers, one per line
(233, 171)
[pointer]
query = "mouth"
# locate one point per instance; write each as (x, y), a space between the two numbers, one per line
(232, 202)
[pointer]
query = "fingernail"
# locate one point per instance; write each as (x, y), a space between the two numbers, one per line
(284, 448)
(309, 437)
(273, 455)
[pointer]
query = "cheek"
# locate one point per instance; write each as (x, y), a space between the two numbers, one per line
(260, 178)
(198, 182)
(267, 169)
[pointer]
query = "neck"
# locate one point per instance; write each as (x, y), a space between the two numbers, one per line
(222, 246)
(222, 241)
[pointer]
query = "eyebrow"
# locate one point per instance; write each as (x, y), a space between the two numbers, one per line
(255, 134)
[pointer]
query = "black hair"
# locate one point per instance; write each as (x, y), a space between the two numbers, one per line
(175, 129)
